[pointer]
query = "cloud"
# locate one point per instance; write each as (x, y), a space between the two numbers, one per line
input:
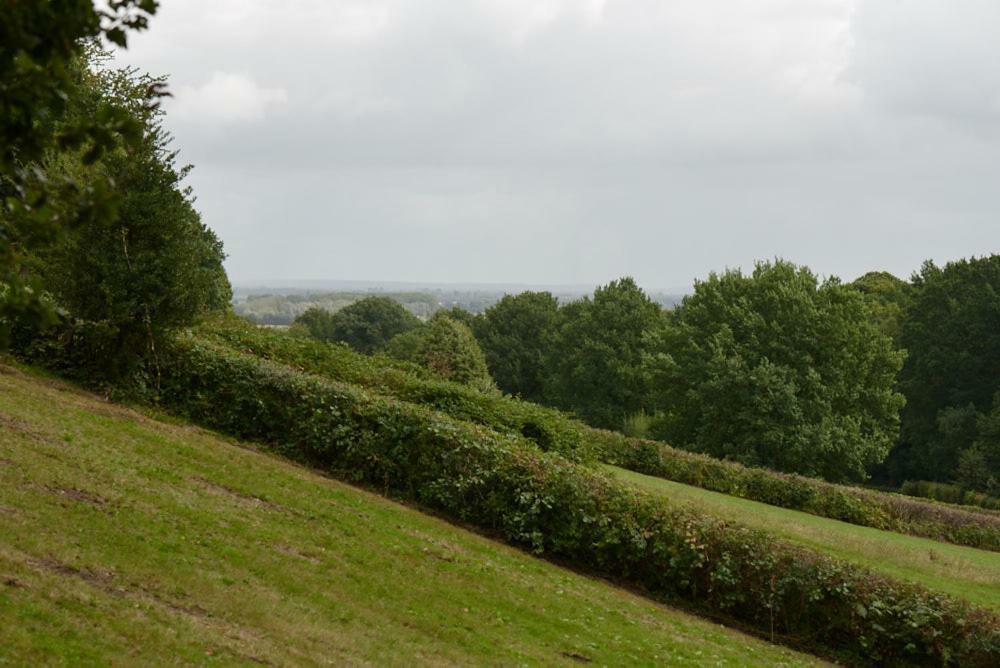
(225, 97)
(574, 140)
(929, 58)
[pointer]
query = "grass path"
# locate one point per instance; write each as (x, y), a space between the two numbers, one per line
(961, 571)
(126, 540)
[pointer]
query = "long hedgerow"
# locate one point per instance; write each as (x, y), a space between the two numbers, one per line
(503, 483)
(552, 430)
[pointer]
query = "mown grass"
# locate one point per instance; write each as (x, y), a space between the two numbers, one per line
(128, 540)
(953, 569)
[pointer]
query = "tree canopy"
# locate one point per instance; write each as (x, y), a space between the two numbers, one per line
(367, 325)
(952, 334)
(151, 266)
(595, 367)
(887, 298)
(41, 44)
(447, 348)
(516, 335)
(780, 370)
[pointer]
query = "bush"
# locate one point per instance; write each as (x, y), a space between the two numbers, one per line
(956, 494)
(405, 380)
(891, 512)
(552, 430)
(565, 510)
(448, 349)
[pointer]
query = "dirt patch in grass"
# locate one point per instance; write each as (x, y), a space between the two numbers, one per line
(294, 552)
(579, 658)
(79, 495)
(102, 579)
(21, 427)
(243, 498)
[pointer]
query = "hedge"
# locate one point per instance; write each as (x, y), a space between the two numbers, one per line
(552, 430)
(948, 493)
(549, 428)
(569, 511)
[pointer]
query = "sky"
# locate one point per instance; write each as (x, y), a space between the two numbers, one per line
(576, 141)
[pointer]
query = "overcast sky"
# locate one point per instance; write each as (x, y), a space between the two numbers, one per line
(574, 141)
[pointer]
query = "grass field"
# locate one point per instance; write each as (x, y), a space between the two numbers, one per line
(961, 571)
(124, 539)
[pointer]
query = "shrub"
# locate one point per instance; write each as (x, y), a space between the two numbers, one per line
(552, 430)
(948, 493)
(405, 380)
(892, 512)
(565, 510)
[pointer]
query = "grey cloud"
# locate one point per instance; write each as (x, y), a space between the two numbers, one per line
(564, 141)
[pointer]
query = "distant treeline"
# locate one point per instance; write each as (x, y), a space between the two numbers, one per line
(279, 309)
(282, 307)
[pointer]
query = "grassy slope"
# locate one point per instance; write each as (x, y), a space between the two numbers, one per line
(962, 571)
(125, 537)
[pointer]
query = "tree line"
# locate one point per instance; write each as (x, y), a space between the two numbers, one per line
(881, 377)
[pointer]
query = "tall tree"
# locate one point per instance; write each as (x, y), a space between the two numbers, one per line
(952, 333)
(40, 48)
(780, 370)
(595, 368)
(152, 266)
(516, 335)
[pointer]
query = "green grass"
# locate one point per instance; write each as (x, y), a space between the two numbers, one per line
(953, 569)
(128, 540)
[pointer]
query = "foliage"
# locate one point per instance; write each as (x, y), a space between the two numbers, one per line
(854, 505)
(367, 325)
(596, 362)
(952, 334)
(461, 315)
(551, 430)
(779, 370)
(407, 381)
(887, 298)
(572, 513)
(638, 425)
(316, 322)
(406, 346)
(153, 266)
(448, 349)
(979, 465)
(40, 48)
(516, 335)
(949, 493)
